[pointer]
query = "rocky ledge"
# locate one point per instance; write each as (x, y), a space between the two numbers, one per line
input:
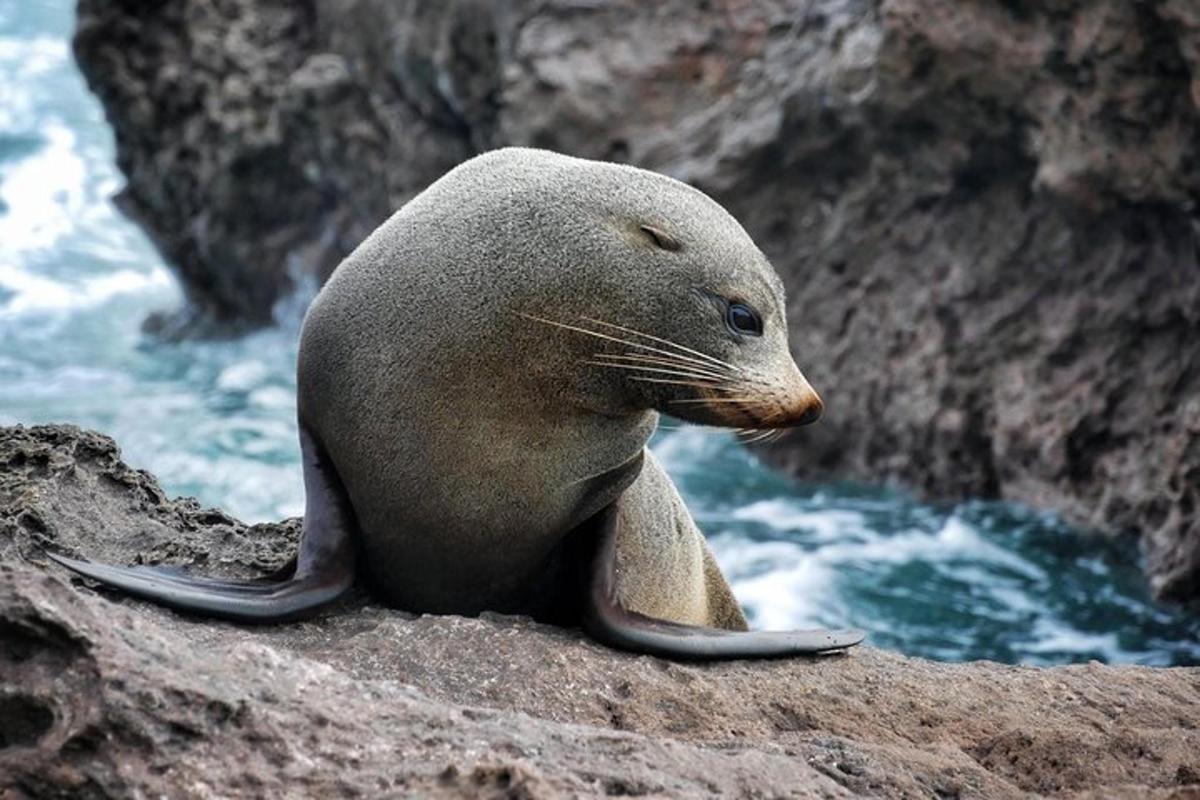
(985, 212)
(105, 697)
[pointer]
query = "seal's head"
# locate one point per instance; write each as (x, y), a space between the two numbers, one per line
(662, 297)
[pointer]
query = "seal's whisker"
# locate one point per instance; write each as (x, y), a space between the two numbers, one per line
(779, 432)
(716, 361)
(606, 337)
(678, 383)
(743, 400)
(760, 436)
(634, 358)
(709, 429)
(658, 370)
(631, 356)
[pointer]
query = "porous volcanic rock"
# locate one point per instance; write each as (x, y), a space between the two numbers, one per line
(109, 697)
(985, 211)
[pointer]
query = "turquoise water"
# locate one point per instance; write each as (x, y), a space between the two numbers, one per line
(215, 420)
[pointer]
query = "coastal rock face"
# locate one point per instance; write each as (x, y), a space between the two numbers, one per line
(107, 697)
(984, 212)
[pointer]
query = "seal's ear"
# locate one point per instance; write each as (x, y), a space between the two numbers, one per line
(664, 240)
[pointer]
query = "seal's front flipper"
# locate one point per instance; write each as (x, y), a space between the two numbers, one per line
(607, 620)
(324, 566)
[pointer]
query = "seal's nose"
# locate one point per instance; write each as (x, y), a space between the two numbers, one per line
(806, 410)
(803, 405)
(815, 409)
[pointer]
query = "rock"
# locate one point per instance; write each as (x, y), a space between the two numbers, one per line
(103, 697)
(985, 212)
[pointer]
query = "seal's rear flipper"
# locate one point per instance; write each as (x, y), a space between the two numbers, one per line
(608, 621)
(242, 602)
(324, 566)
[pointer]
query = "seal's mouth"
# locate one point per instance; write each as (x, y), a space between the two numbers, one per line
(768, 409)
(805, 411)
(757, 405)
(810, 416)
(801, 403)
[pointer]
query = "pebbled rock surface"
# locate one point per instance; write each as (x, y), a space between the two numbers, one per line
(985, 211)
(107, 697)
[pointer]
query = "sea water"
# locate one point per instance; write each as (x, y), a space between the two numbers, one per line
(217, 420)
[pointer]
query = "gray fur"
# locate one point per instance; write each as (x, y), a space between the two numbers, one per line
(461, 429)
(474, 435)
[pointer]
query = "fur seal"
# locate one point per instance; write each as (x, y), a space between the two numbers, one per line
(477, 383)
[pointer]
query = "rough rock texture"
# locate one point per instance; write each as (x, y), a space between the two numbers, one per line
(105, 698)
(984, 211)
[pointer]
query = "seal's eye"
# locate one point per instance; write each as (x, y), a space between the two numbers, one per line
(661, 239)
(744, 320)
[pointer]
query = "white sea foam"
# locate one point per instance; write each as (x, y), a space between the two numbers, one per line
(784, 514)
(37, 54)
(794, 580)
(274, 398)
(28, 293)
(23, 64)
(850, 540)
(242, 376)
(1053, 636)
(965, 541)
(780, 584)
(43, 194)
(254, 490)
